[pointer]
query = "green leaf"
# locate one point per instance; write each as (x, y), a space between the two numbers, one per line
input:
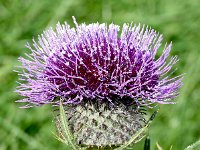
(195, 146)
(69, 139)
(147, 143)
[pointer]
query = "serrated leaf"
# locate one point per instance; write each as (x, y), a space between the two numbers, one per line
(195, 146)
(69, 137)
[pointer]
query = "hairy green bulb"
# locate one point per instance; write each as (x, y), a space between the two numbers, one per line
(103, 126)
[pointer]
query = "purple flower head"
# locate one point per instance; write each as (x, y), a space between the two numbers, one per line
(97, 62)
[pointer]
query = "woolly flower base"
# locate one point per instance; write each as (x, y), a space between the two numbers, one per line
(91, 128)
(100, 126)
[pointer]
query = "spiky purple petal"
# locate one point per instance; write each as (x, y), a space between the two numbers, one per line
(96, 62)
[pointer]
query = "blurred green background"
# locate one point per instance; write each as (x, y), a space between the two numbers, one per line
(21, 20)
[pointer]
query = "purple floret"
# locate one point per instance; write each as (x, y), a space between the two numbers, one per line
(96, 62)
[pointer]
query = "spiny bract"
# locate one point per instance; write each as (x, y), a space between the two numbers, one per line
(100, 125)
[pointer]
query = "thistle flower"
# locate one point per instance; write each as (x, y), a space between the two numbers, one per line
(103, 77)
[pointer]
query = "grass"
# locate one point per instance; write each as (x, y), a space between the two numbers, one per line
(21, 20)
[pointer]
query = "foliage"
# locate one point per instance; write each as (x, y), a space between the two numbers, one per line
(194, 146)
